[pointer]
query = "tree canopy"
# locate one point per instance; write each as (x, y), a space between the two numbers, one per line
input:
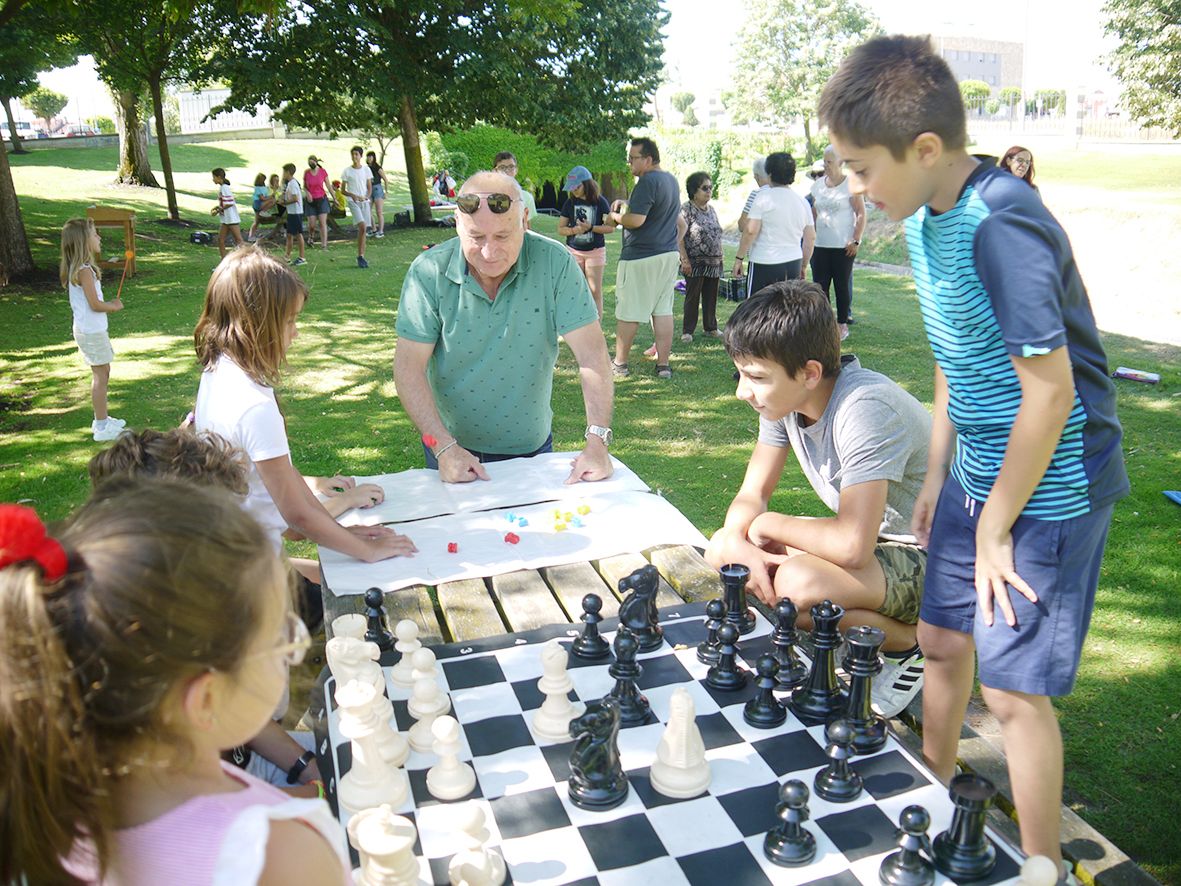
(1148, 59)
(786, 51)
(45, 103)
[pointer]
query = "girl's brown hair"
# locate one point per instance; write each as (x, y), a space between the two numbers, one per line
(250, 299)
(204, 458)
(590, 191)
(86, 661)
(76, 250)
(260, 179)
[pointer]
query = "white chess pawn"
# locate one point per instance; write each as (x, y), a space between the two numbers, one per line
(680, 770)
(427, 702)
(423, 661)
(353, 659)
(351, 625)
(1038, 870)
(552, 720)
(385, 843)
(407, 643)
(476, 864)
(370, 781)
(450, 778)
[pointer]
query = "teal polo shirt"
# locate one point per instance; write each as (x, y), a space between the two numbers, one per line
(492, 370)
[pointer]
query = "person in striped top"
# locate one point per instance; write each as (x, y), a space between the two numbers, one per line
(1025, 462)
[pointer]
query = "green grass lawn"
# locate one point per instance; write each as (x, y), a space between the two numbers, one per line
(689, 438)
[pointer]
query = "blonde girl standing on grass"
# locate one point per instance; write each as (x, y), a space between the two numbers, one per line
(152, 631)
(81, 278)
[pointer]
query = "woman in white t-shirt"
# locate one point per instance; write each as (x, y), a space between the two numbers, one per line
(779, 230)
(840, 222)
(227, 209)
(246, 327)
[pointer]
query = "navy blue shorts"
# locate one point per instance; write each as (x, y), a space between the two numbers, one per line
(1059, 559)
(295, 223)
(319, 206)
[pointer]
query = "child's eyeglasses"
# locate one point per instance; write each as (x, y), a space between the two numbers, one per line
(497, 203)
(295, 642)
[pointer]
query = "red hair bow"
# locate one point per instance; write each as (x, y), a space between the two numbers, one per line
(23, 537)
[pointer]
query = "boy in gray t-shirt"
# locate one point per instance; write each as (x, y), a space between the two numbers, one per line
(861, 441)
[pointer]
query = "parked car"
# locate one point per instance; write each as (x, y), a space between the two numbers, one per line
(24, 129)
(77, 130)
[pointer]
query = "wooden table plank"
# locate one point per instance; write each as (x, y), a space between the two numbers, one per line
(687, 571)
(413, 603)
(469, 612)
(526, 600)
(573, 581)
(622, 565)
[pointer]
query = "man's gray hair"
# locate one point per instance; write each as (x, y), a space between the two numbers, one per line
(830, 151)
(512, 187)
(759, 167)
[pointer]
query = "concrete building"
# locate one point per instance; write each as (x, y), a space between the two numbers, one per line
(995, 62)
(195, 104)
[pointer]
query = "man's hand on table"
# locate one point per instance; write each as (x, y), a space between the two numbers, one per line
(593, 463)
(381, 543)
(457, 465)
(731, 546)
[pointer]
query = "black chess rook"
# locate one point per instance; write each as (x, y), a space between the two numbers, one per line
(788, 843)
(734, 579)
(638, 609)
(727, 674)
(963, 851)
(863, 664)
(820, 699)
(590, 644)
(376, 630)
(709, 649)
(908, 866)
(792, 671)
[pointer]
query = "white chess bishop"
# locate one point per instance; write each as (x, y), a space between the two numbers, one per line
(681, 770)
(477, 864)
(552, 719)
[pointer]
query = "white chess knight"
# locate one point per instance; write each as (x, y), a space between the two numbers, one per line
(402, 673)
(370, 781)
(450, 778)
(351, 625)
(353, 659)
(427, 703)
(476, 864)
(385, 843)
(681, 770)
(552, 719)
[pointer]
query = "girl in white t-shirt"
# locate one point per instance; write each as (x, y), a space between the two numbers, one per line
(154, 630)
(248, 323)
(227, 208)
(80, 276)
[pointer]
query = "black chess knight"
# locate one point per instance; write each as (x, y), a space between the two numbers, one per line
(638, 609)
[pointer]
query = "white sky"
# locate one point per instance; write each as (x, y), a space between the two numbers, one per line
(1064, 41)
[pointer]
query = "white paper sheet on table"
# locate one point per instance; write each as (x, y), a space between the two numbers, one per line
(617, 523)
(418, 493)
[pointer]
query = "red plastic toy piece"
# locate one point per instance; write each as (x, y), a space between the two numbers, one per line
(512, 538)
(452, 548)
(429, 441)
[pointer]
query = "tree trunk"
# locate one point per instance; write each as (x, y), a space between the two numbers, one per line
(15, 258)
(134, 166)
(162, 144)
(415, 174)
(17, 147)
(808, 149)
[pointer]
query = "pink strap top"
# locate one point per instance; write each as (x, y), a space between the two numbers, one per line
(217, 839)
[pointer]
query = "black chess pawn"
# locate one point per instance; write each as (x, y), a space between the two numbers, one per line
(590, 644)
(377, 632)
(727, 674)
(788, 843)
(819, 698)
(633, 705)
(764, 710)
(734, 579)
(596, 774)
(792, 671)
(908, 866)
(638, 609)
(963, 851)
(863, 663)
(709, 649)
(836, 782)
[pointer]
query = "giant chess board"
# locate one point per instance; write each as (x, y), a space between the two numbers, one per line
(716, 838)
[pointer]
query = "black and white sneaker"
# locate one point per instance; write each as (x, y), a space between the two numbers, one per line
(899, 682)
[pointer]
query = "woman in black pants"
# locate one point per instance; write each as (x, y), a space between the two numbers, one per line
(701, 257)
(840, 222)
(779, 230)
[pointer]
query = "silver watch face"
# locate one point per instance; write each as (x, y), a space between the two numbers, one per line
(603, 434)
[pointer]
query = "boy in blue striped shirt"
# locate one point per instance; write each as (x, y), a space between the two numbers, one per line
(1025, 461)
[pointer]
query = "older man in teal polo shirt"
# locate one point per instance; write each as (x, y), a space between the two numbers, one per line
(478, 326)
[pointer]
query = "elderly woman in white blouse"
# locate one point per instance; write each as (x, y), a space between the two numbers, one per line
(840, 222)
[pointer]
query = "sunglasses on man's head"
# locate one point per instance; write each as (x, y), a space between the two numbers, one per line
(497, 203)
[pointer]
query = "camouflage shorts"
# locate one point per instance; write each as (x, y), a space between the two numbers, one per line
(904, 566)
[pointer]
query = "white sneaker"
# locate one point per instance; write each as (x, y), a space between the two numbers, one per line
(106, 432)
(898, 683)
(110, 420)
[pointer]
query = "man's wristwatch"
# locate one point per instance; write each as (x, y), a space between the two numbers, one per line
(603, 434)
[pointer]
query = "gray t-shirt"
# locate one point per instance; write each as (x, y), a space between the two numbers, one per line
(657, 196)
(871, 430)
